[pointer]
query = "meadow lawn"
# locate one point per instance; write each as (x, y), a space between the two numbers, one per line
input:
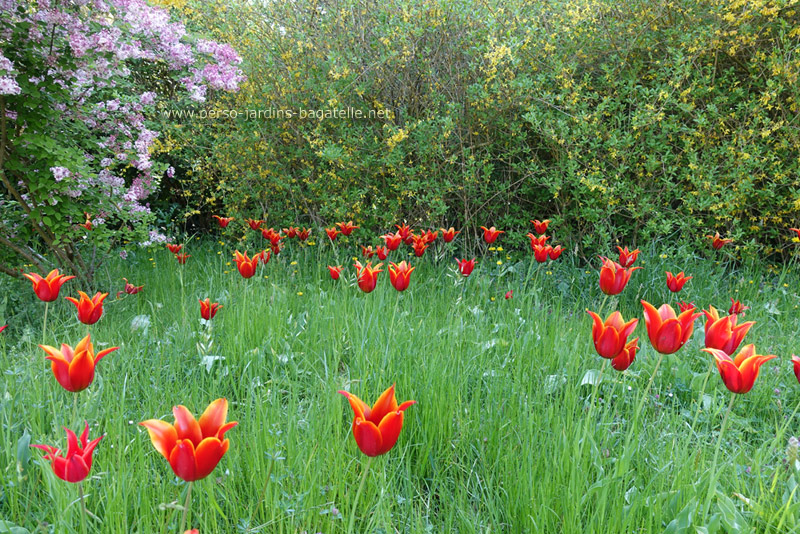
(519, 426)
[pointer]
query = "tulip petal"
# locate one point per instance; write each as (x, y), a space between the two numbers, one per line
(386, 403)
(81, 370)
(207, 455)
(103, 353)
(162, 435)
(367, 436)
(608, 344)
(213, 417)
(360, 408)
(75, 469)
(652, 319)
(60, 369)
(224, 428)
(668, 338)
(185, 425)
(182, 460)
(390, 429)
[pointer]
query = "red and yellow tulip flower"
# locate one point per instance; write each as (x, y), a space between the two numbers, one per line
(74, 368)
(367, 251)
(88, 222)
(89, 309)
(47, 288)
(376, 429)
(722, 332)
(625, 358)
(75, 464)
(541, 254)
(174, 248)
(465, 266)
(610, 336)
(400, 275)
(555, 252)
(628, 257)
(382, 253)
(367, 276)
(291, 232)
(717, 242)
(540, 227)
(737, 307)
(208, 309)
(245, 264)
(420, 245)
(667, 331)
(537, 241)
(392, 240)
(675, 282)
(491, 234)
(303, 234)
(223, 222)
(333, 233)
(449, 234)
(192, 448)
(182, 258)
(739, 374)
(255, 224)
(614, 277)
(430, 236)
(347, 227)
(335, 270)
(405, 233)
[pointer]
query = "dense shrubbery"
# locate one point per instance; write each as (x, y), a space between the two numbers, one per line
(620, 120)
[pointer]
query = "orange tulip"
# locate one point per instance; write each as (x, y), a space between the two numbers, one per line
(74, 368)
(192, 448)
(47, 288)
(739, 374)
(429, 236)
(610, 336)
(75, 465)
(245, 264)
(627, 257)
(332, 233)
(400, 274)
(490, 235)
(376, 429)
(614, 277)
(367, 276)
(347, 227)
(449, 234)
(208, 309)
(223, 222)
(419, 245)
(625, 358)
(717, 242)
(722, 332)
(392, 240)
(668, 332)
(89, 309)
(336, 271)
(540, 226)
(405, 233)
(675, 282)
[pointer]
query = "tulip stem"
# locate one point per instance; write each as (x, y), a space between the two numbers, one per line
(74, 406)
(44, 325)
(83, 507)
(186, 505)
(352, 521)
(712, 483)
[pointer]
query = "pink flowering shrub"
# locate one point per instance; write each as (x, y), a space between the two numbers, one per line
(80, 83)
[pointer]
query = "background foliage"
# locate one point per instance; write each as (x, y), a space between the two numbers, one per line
(620, 120)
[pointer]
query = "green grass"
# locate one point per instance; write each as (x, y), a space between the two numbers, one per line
(504, 437)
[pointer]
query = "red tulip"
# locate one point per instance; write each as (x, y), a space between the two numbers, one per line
(449, 234)
(336, 271)
(739, 374)
(74, 466)
(614, 277)
(382, 253)
(509, 294)
(290, 232)
(347, 227)
(627, 257)
(465, 267)
(273, 236)
(303, 234)
(392, 240)
(686, 306)
(737, 307)
(796, 230)
(405, 233)
(610, 336)
(265, 256)
(429, 236)
(717, 242)
(555, 252)
(88, 223)
(540, 226)
(74, 368)
(47, 288)
(246, 265)
(541, 254)
(223, 222)
(419, 246)
(332, 233)
(722, 332)
(208, 309)
(131, 289)
(192, 448)
(367, 276)
(89, 309)
(255, 224)
(174, 248)
(537, 241)
(490, 235)
(367, 252)
(625, 358)
(676, 282)
(668, 332)
(796, 364)
(376, 429)
(3, 327)
(400, 274)
(182, 258)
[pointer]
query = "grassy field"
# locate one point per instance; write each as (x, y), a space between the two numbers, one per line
(516, 429)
